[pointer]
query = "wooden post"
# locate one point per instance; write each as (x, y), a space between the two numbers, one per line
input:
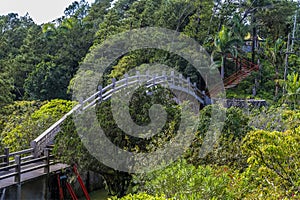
(126, 79)
(113, 83)
(180, 80)
(100, 93)
(194, 85)
(172, 78)
(147, 75)
(165, 78)
(47, 161)
(189, 83)
(81, 103)
(33, 145)
(18, 169)
(6, 153)
(138, 76)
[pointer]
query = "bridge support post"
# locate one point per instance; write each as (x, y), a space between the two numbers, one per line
(47, 161)
(19, 191)
(18, 169)
(47, 170)
(6, 153)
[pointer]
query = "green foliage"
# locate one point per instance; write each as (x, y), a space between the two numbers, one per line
(292, 88)
(274, 156)
(291, 119)
(43, 58)
(124, 65)
(201, 23)
(6, 86)
(28, 121)
(139, 196)
(274, 119)
(30, 54)
(13, 34)
(47, 81)
(67, 44)
(225, 42)
(274, 18)
(17, 112)
(185, 181)
(226, 150)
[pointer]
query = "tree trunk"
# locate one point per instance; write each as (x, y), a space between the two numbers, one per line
(276, 79)
(254, 38)
(223, 66)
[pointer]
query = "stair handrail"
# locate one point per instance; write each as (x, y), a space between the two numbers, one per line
(245, 63)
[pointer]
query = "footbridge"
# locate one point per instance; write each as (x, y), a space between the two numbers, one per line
(17, 167)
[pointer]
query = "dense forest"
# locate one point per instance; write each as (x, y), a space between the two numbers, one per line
(258, 153)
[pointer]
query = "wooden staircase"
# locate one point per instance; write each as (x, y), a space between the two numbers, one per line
(246, 68)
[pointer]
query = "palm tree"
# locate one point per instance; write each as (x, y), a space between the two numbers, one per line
(225, 43)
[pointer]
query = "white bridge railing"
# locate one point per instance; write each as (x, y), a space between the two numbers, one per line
(171, 81)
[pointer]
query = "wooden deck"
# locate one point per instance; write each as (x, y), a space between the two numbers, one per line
(29, 175)
(25, 166)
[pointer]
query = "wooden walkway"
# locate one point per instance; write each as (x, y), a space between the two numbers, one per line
(25, 167)
(29, 175)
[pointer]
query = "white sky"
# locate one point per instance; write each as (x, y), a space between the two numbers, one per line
(41, 11)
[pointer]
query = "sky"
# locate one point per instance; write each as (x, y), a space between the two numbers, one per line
(41, 11)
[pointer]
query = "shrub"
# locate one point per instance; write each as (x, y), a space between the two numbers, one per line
(185, 181)
(274, 158)
(31, 122)
(140, 196)
(226, 150)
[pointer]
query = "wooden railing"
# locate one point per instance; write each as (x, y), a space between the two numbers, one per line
(246, 68)
(5, 159)
(245, 65)
(22, 163)
(104, 93)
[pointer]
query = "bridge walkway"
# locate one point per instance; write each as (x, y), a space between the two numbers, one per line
(10, 181)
